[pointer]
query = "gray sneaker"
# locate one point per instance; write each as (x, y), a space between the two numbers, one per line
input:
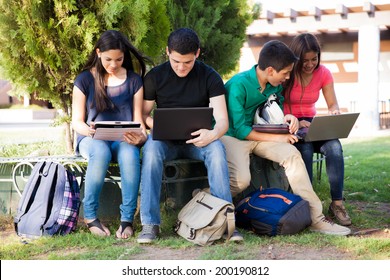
(196, 191)
(148, 234)
(236, 236)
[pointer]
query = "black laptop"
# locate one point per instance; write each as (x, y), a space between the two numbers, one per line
(179, 123)
(328, 127)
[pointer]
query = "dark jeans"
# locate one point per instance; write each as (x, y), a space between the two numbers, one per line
(334, 159)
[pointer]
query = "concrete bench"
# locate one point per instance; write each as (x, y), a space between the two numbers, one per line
(180, 178)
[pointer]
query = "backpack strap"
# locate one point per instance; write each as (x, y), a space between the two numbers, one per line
(231, 222)
(30, 188)
(48, 174)
(55, 177)
(38, 189)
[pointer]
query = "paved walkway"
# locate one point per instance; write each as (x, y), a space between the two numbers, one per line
(29, 132)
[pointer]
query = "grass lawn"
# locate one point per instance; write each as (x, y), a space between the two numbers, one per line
(367, 193)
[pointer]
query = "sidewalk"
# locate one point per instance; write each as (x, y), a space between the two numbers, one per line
(30, 132)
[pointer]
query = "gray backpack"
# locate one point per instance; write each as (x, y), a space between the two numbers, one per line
(50, 202)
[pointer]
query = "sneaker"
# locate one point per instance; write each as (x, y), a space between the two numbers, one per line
(148, 234)
(195, 192)
(328, 227)
(236, 236)
(339, 213)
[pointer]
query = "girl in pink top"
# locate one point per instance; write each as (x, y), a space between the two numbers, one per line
(301, 94)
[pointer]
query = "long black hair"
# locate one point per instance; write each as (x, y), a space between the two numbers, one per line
(113, 40)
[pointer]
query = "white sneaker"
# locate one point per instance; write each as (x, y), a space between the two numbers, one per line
(328, 227)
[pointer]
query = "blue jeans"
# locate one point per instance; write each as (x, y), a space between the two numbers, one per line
(99, 154)
(334, 159)
(154, 155)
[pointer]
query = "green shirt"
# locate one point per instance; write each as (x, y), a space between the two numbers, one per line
(243, 97)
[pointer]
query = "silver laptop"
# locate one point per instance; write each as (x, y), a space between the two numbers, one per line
(179, 123)
(328, 127)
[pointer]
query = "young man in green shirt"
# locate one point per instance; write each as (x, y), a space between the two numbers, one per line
(246, 91)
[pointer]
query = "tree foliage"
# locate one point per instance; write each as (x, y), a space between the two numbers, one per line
(220, 24)
(44, 43)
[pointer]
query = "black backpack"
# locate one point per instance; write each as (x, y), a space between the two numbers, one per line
(50, 202)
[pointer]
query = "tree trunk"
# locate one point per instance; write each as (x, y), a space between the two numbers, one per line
(68, 138)
(66, 99)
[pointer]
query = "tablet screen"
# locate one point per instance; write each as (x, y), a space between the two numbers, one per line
(114, 130)
(116, 124)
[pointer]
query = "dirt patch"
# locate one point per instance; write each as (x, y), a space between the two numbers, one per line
(159, 253)
(266, 252)
(378, 208)
(5, 233)
(373, 233)
(294, 252)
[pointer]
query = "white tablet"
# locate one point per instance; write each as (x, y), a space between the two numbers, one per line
(114, 130)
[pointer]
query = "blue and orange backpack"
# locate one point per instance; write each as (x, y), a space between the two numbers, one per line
(273, 212)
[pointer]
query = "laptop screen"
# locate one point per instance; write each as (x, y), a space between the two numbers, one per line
(179, 123)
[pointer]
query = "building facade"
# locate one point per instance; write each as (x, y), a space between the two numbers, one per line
(355, 43)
